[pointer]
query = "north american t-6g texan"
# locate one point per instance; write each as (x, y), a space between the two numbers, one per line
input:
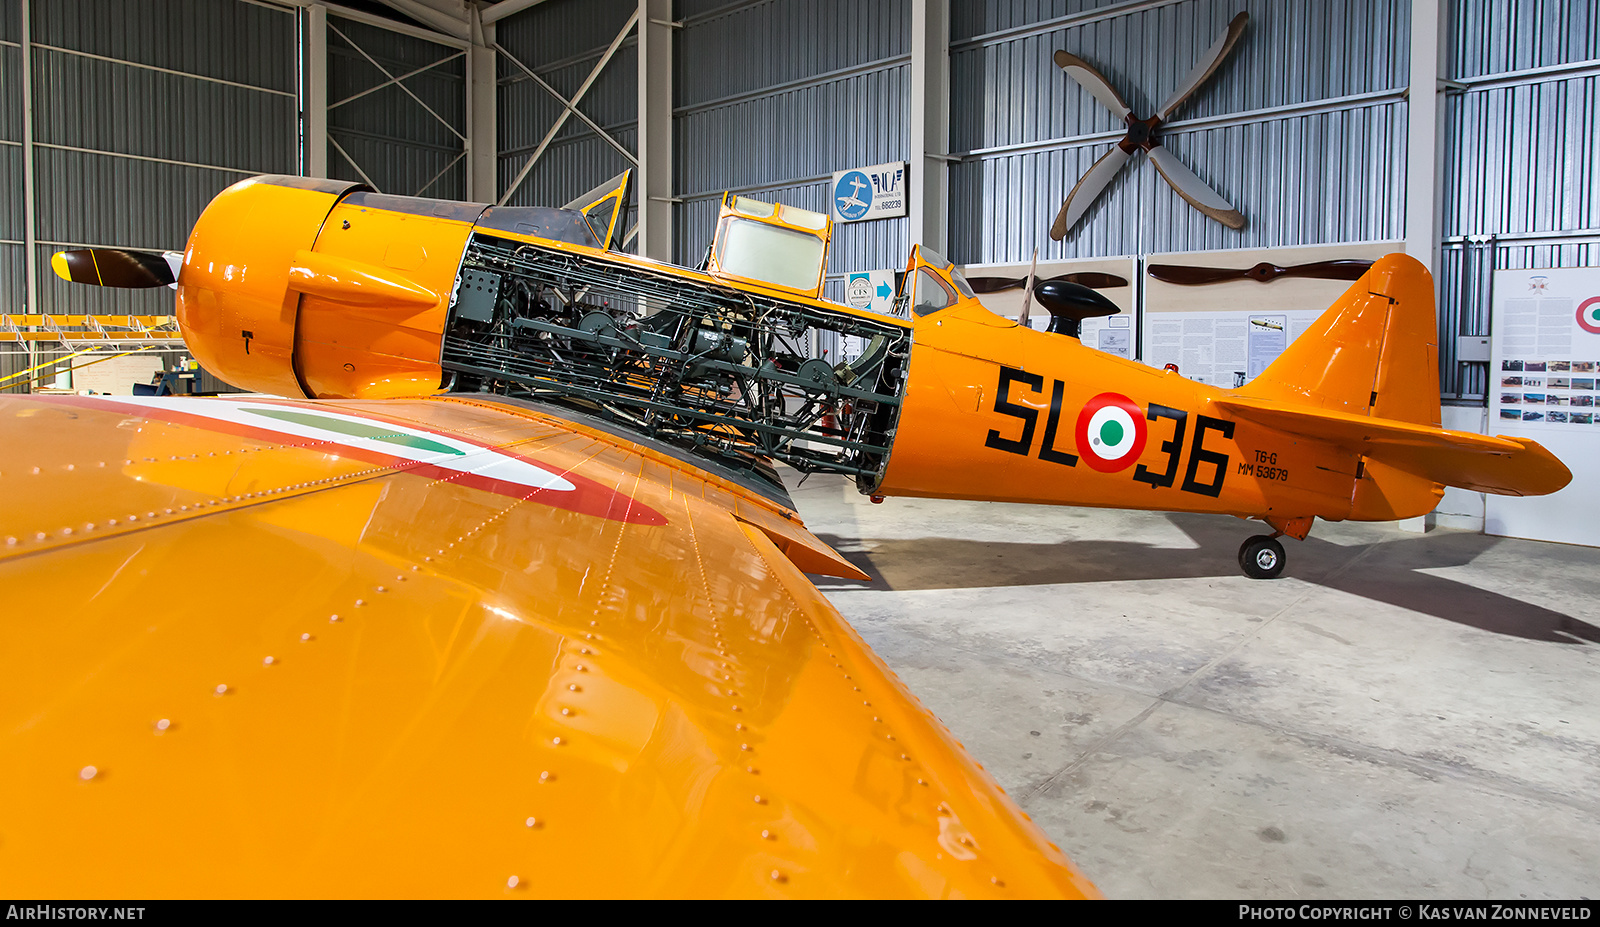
(496, 589)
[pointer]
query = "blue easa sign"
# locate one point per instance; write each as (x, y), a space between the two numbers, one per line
(875, 192)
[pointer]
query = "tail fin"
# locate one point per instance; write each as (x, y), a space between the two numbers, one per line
(1374, 352)
(1366, 377)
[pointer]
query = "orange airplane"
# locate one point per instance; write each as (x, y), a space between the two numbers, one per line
(497, 591)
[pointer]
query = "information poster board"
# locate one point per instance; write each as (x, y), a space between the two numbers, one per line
(1114, 335)
(1224, 334)
(1223, 348)
(1544, 364)
(116, 376)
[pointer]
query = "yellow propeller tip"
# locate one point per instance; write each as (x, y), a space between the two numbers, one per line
(58, 263)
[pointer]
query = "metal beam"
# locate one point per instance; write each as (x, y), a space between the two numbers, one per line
(105, 152)
(30, 270)
(483, 142)
(930, 123)
(654, 186)
(430, 17)
(315, 116)
(444, 170)
(151, 67)
(459, 9)
(394, 80)
(506, 8)
(340, 148)
(568, 104)
(1423, 177)
(588, 82)
(382, 22)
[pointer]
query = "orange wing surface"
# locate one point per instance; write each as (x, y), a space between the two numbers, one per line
(446, 647)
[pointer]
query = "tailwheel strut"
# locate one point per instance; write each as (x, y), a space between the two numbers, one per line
(1261, 556)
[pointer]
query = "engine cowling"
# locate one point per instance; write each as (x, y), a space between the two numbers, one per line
(321, 288)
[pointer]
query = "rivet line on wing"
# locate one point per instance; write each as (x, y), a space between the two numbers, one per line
(31, 541)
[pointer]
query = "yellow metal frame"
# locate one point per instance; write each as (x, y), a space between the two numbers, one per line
(779, 216)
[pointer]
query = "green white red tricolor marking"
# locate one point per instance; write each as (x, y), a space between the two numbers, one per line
(1110, 432)
(408, 448)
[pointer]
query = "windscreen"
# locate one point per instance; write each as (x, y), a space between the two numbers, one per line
(759, 251)
(961, 283)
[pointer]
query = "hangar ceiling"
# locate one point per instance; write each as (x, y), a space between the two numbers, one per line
(131, 115)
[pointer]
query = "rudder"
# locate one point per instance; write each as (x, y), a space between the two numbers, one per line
(1374, 352)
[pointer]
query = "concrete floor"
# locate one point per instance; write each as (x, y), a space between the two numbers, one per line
(1401, 715)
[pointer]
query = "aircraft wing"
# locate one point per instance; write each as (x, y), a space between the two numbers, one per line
(1482, 463)
(445, 647)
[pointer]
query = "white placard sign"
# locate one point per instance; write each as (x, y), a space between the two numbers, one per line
(872, 290)
(875, 192)
(1543, 370)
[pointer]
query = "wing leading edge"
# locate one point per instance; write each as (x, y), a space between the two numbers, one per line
(438, 648)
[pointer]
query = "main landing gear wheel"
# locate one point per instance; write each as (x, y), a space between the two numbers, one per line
(1261, 557)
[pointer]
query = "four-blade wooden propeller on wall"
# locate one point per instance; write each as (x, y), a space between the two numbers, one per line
(1142, 135)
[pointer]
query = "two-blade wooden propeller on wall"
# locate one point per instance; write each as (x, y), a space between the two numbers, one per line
(1143, 135)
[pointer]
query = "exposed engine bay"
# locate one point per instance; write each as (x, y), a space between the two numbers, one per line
(721, 372)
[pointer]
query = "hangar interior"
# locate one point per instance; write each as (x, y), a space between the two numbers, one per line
(1409, 711)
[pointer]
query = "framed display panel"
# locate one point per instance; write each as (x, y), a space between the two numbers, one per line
(1544, 364)
(1226, 333)
(1117, 334)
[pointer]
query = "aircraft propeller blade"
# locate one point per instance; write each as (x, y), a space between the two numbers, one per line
(1092, 279)
(1195, 190)
(124, 268)
(1089, 187)
(1205, 67)
(1190, 275)
(1093, 81)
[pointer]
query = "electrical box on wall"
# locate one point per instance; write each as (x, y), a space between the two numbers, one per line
(1472, 348)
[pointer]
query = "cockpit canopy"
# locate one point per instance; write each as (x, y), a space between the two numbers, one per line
(934, 291)
(770, 243)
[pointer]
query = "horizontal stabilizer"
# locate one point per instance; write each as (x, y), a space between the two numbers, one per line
(1498, 464)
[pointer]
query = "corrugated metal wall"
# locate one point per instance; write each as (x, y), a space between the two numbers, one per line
(142, 111)
(1521, 156)
(774, 96)
(1302, 129)
(12, 290)
(562, 41)
(408, 140)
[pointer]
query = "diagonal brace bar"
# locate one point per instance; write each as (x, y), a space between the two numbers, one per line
(561, 120)
(394, 80)
(571, 107)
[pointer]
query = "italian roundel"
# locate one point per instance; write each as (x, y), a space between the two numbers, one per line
(1589, 315)
(1110, 432)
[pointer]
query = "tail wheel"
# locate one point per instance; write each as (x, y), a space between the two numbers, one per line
(1262, 557)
